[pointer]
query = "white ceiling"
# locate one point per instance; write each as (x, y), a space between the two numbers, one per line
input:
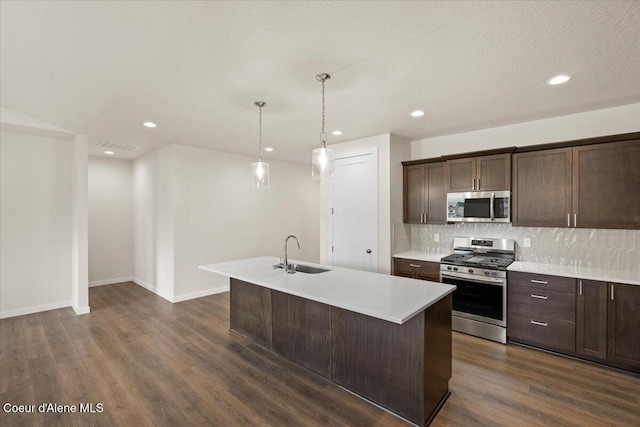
(195, 68)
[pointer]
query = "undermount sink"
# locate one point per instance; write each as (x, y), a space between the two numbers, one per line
(301, 268)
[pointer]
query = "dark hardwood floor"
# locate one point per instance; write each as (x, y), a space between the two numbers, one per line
(153, 363)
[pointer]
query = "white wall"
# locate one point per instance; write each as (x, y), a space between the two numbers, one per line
(608, 121)
(111, 255)
(153, 196)
(35, 223)
(195, 206)
(218, 217)
(392, 150)
(79, 225)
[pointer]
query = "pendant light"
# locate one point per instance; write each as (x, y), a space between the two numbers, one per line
(260, 169)
(322, 158)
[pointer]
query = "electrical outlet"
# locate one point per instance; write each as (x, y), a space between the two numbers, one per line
(436, 237)
(527, 242)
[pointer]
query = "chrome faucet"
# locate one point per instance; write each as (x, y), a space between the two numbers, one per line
(286, 265)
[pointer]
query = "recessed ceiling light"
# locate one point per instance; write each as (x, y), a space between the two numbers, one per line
(417, 113)
(150, 124)
(269, 149)
(109, 153)
(558, 80)
(336, 132)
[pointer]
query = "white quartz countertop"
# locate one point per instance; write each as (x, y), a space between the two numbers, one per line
(586, 273)
(421, 256)
(392, 298)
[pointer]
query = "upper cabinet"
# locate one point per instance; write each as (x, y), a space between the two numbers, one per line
(541, 194)
(606, 185)
(483, 173)
(588, 186)
(424, 194)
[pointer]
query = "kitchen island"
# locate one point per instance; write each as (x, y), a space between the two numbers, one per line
(384, 338)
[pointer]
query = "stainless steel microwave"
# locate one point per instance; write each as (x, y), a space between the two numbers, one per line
(479, 206)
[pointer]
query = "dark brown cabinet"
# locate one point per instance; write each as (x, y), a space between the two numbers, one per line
(600, 321)
(606, 185)
(591, 318)
(483, 173)
(542, 188)
(541, 310)
(251, 311)
(414, 269)
(424, 194)
(589, 186)
(623, 326)
(302, 331)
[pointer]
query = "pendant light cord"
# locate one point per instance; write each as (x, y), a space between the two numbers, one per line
(260, 137)
(323, 134)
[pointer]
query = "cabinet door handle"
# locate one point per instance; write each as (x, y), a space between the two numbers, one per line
(611, 292)
(414, 265)
(478, 183)
(542, 282)
(568, 220)
(539, 296)
(426, 217)
(575, 220)
(473, 184)
(535, 322)
(580, 287)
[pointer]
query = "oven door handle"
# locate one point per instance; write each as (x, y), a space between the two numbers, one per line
(479, 279)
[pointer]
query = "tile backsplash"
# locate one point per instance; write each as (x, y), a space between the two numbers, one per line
(615, 249)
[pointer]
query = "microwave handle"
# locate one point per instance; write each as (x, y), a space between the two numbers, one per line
(493, 196)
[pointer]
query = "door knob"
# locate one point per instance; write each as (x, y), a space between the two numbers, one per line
(368, 251)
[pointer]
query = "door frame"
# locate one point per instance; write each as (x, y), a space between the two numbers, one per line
(373, 151)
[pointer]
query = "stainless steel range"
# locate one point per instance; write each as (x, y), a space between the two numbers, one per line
(478, 267)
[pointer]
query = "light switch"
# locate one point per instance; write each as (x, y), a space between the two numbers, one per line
(527, 242)
(436, 237)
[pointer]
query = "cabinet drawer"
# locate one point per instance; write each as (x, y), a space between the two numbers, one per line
(542, 281)
(419, 269)
(559, 305)
(543, 330)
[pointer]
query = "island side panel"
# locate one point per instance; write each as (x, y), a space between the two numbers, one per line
(302, 331)
(250, 307)
(437, 355)
(380, 360)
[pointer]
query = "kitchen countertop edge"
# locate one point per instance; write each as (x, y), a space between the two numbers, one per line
(258, 271)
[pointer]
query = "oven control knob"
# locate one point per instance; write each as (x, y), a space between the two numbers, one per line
(493, 273)
(470, 270)
(486, 273)
(455, 268)
(449, 268)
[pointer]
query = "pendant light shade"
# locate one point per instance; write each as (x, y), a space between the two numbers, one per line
(322, 163)
(260, 169)
(322, 158)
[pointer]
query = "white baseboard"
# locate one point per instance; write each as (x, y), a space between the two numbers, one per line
(35, 309)
(183, 297)
(200, 294)
(110, 281)
(152, 289)
(81, 310)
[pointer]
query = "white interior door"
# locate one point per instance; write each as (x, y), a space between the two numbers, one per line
(355, 212)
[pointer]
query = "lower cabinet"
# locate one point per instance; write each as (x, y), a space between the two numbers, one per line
(599, 322)
(591, 318)
(608, 323)
(541, 311)
(623, 326)
(414, 269)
